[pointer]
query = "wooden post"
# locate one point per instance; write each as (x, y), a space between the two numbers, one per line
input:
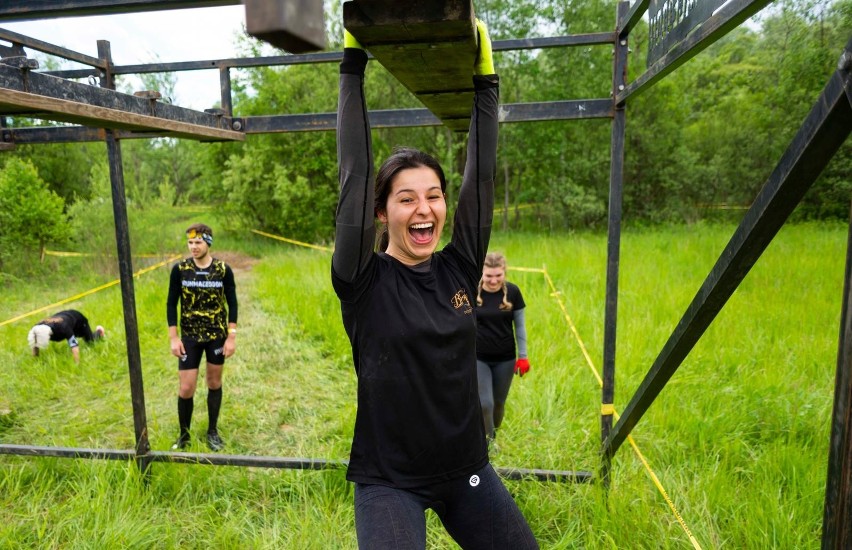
(295, 26)
(429, 46)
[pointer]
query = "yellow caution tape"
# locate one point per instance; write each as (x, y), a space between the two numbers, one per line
(291, 241)
(65, 254)
(86, 293)
(555, 293)
(609, 408)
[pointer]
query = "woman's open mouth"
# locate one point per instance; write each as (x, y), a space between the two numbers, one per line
(421, 233)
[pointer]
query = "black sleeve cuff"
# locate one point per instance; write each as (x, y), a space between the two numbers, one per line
(354, 61)
(485, 81)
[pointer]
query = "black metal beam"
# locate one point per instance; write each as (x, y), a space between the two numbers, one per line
(324, 57)
(626, 23)
(822, 133)
(34, 95)
(589, 39)
(279, 462)
(125, 272)
(21, 10)
(392, 118)
(837, 512)
(51, 49)
(68, 134)
(402, 118)
(726, 19)
(218, 459)
(613, 252)
(233, 62)
(522, 474)
(66, 452)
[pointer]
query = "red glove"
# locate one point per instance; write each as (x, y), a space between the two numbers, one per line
(522, 366)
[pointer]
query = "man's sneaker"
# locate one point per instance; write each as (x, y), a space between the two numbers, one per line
(215, 442)
(181, 443)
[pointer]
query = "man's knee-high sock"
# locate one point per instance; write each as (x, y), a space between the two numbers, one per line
(214, 403)
(185, 406)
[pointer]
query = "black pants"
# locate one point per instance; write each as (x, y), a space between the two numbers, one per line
(477, 511)
(495, 379)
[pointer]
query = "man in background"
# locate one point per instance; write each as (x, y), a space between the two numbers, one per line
(204, 287)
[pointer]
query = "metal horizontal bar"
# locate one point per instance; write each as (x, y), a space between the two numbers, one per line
(546, 475)
(398, 118)
(52, 49)
(323, 57)
(554, 41)
(11, 10)
(822, 133)
(25, 93)
(404, 118)
(217, 459)
(68, 134)
(234, 62)
(637, 10)
(727, 18)
(575, 109)
(66, 452)
(280, 462)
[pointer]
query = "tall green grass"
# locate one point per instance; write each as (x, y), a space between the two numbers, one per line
(738, 438)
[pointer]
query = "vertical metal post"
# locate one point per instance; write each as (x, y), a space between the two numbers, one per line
(616, 184)
(225, 90)
(125, 270)
(837, 515)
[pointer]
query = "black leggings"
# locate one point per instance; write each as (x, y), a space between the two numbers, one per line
(495, 379)
(477, 511)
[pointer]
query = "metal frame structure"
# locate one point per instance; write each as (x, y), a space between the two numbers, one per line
(823, 132)
(111, 117)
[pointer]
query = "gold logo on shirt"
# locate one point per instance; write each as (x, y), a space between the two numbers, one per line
(460, 300)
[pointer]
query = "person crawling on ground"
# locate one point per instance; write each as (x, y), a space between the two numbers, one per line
(65, 325)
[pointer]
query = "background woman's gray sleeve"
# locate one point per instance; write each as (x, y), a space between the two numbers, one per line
(520, 332)
(354, 223)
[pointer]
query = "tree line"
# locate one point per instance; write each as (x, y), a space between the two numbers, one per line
(700, 143)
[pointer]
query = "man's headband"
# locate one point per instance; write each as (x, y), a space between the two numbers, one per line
(195, 234)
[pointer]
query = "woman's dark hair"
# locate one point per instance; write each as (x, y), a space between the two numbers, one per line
(401, 159)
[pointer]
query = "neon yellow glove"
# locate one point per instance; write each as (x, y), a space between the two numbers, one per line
(484, 58)
(350, 41)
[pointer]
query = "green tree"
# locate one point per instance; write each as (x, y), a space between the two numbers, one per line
(31, 215)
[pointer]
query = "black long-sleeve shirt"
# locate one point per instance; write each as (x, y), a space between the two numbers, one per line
(412, 331)
(203, 294)
(67, 324)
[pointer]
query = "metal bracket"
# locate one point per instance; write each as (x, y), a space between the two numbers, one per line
(148, 94)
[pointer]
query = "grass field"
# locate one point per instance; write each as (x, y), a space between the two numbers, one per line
(738, 439)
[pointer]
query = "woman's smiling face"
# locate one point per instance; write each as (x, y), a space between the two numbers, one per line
(415, 213)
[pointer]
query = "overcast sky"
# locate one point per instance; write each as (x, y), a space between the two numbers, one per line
(149, 37)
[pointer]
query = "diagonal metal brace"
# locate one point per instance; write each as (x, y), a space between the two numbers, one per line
(822, 133)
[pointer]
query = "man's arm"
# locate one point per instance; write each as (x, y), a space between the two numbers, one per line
(231, 299)
(175, 343)
(75, 348)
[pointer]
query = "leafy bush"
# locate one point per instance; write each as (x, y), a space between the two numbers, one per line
(31, 215)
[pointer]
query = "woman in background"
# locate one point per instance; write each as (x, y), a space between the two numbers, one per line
(500, 306)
